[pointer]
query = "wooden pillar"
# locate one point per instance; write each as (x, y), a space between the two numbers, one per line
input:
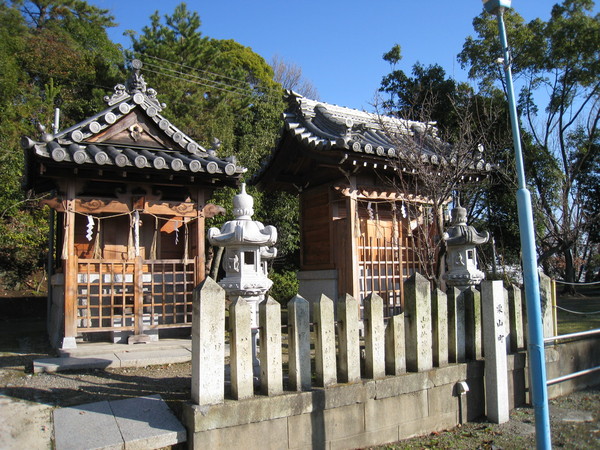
(352, 226)
(138, 297)
(50, 264)
(200, 235)
(70, 270)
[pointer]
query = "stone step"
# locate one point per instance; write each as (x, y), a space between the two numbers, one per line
(133, 423)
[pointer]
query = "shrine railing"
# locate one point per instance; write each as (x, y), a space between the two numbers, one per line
(384, 264)
(116, 295)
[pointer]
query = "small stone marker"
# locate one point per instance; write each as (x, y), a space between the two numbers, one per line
(271, 376)
(547, 306)
(417, 310)
(299, 343)
(473, 332)
(348, 340)
(374, 337)
(456, 326)
(494, 328)
(325, 363)
(395, 352)
(439, 313)
(208, 344)
(515, 305)
(241, 358)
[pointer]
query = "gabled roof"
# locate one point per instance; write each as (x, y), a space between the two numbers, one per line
(130, 137)
(335, 135)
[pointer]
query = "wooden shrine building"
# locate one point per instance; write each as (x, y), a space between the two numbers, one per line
(356, 226)
(129, 192)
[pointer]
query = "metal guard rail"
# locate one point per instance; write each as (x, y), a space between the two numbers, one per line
(574, 374)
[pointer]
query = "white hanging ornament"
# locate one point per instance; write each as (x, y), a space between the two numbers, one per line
(403, 210)
(176, 232)
(370, 211)
(90, 228)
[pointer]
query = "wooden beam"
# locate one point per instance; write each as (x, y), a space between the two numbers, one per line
(183, 209)
(379, 193)
(138, 297)
(90, 205)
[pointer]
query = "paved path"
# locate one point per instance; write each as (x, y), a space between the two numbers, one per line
(133, 423)
(101, 356)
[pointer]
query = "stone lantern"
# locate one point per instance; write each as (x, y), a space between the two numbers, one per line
(461, 240)
(248, 245)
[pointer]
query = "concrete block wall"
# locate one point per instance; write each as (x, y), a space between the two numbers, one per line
(362, 414)
(376, 412)
(569, 357)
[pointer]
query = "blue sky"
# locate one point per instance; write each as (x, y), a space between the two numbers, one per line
(338, 44)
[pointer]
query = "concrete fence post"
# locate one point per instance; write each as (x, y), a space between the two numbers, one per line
(374, 337)
(324, 325)
(271, 375)
(395, 351)
(515, 308)
(456, 326)
(507, 326)
(439, 313)
(348, 340)
(494, 329)
(417, 310)
(546, 299)
(473, 332)
(240, 349)
(208, 343)
(299, 343)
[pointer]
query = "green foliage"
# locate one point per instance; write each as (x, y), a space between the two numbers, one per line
(22, 246)
(214, 88)
(221, 89)
(467, 120)
(426, 93)
(285, 286)
(59, 49)
(47, 49)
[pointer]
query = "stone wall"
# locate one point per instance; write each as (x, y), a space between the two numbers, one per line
(375, 412)
(367, 413)
(320, 385)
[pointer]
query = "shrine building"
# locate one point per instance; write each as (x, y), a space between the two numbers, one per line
(128, 192)
(356, 223)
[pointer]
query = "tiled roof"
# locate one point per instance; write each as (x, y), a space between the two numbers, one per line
(323, 126)
(131, 134)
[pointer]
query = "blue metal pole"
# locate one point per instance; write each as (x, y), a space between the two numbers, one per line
(537, 359)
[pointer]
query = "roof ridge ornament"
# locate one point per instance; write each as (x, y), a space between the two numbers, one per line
(137, 88)
(136, 82)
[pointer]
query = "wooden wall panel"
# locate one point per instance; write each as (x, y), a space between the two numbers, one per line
(316, 229)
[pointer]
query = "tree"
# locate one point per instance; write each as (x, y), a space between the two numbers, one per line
(220, 89)
(557, 64)
(47, 48)
(215, 88)
(450, 125)
(290, 76)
